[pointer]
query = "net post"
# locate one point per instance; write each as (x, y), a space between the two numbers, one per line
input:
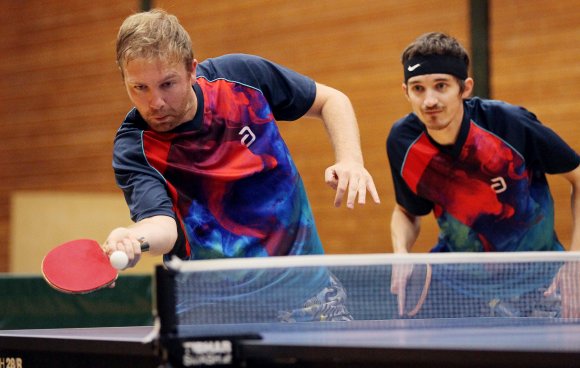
(165, 300)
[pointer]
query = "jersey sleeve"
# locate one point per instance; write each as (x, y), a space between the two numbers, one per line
(554, 155)
(143, 187)
(396, 153)
(543, 149)
(289, 93)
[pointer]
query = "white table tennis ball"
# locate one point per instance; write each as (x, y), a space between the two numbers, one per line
(119, 259)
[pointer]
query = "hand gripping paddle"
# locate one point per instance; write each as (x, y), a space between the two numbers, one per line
(79, 267)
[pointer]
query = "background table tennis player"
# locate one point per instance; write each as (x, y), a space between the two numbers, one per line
(499, 345)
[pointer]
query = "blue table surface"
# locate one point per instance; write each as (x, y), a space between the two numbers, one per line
(500, 334)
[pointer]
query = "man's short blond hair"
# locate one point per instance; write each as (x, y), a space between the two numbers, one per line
(154, 34)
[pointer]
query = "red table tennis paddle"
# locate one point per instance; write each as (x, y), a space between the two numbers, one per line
(79, 267)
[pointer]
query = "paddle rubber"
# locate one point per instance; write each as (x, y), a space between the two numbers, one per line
(78, 267)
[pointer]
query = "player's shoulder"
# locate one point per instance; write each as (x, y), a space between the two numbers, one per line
(403, 133)
(486, 110)
(232, 58)
(231, 66)
(408, 126)
(132, 126)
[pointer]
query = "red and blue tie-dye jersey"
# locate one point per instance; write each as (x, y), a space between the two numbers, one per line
(488, 191)
(227, 175)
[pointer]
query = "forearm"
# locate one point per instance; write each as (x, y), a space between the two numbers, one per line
(574, 178)
(337, 113)
(160, 232)
(405, 229)
(575, 200)
(347, 175)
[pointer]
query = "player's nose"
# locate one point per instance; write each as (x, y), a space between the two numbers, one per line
(156, 101)
(430, 100)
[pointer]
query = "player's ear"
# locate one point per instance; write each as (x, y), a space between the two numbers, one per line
(193, 70)
(469, 83)
(405, 90)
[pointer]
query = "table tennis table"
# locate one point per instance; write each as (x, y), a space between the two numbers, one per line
(491, 343)
(187, 338)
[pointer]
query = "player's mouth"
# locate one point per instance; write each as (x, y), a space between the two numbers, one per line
(159, 117)
(433, 112)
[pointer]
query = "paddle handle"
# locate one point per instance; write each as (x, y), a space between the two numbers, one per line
(145, 247)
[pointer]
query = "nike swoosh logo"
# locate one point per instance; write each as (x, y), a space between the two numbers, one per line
(411, 68)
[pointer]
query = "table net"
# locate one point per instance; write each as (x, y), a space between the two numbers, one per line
(344, 290)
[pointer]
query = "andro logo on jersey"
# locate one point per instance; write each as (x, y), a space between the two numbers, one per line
(247, 135)
(498, 185)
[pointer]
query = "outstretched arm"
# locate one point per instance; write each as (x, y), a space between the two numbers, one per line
(405, 229)
(404, 232)
(347, 175)
(567, 281)
(574, 178)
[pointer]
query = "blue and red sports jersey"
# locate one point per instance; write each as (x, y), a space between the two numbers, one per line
(488, 191)
(227, 175)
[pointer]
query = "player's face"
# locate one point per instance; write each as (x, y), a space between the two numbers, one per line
(438, 102)
(161, 91)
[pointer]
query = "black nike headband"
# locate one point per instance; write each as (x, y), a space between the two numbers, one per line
(435, 64)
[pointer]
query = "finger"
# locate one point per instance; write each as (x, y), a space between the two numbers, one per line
(551, 290)
(135, 260)
(338, 197)
(109, 247)
(136, 250)
(401, 301)
(398, 289)
(394, 287)
(362, 193)
(127, 247)
(330, 178)
(340, 190)
(353, 187)
(373, 190)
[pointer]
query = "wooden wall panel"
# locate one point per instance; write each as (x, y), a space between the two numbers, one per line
(61, 97)
(535, 53)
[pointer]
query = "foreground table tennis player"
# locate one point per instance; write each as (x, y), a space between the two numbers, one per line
(479, 165)
(200, 159)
